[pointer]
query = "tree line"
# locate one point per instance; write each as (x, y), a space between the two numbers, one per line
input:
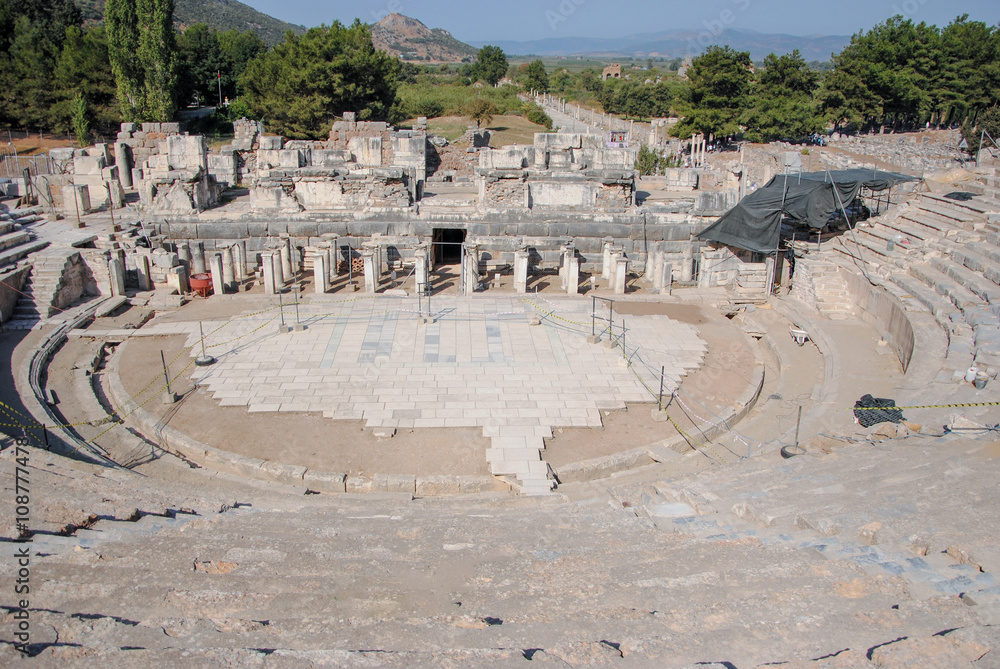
(900, 75)
(57, 74)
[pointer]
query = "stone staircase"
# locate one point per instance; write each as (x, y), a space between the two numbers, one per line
(987, 183)
(940, 256)
(41, 289)
(136, 570)
(856, 505)
(15, 241)
(818, 283)
(516, 451)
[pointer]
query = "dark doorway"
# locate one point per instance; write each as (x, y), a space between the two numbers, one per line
(448, 246)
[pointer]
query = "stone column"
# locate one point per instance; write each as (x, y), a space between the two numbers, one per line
(521, 271)
(620, 263)
(142, 266)
(770, 277)
(606, 266)
(420, 273)
(380, 262)
(240, 260)
(117, 274)
(218, 280)
(279, 266)
(666, 274)
(177, 279)
(573, 275)
(687, 264)
(123, 159)
(371, 281)
(198, 258)
(228, 271)
(321, 275)
(184, 254)
(287, 270)
(568, 253)
(654, 259)
(707, 266)
(470, 269)
(267, 260)
(333, 256)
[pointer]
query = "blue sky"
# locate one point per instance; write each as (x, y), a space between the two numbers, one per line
(472, 20)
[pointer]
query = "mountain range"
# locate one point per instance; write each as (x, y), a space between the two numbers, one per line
(678, 43)
(218, 14)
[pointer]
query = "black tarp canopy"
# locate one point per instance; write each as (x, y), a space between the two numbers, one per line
(810, 197)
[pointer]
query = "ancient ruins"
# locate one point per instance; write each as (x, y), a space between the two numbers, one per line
(389, 400)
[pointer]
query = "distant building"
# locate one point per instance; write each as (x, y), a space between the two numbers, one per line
(613, 71)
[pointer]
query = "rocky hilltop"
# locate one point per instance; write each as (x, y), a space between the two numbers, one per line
(412, 40)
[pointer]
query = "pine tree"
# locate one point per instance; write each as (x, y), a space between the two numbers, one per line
(302, 84)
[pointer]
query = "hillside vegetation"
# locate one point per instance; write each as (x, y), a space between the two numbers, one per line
(220, 15)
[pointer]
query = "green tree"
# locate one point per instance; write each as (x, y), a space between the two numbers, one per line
(26, 77)
(482, 111)
(81, 120)
(491, 65)
(561, 81)
(890, 74)
(590, 80)
(720, 82)
(157, 50)
(50, 18)
(647, 161)
(121, 20)
(201, 61)
(782, 99)
(972, 133)
(141, 47)
(31, 36)
(84, 69)
(534, 76)
(238, 49)
(301, 85)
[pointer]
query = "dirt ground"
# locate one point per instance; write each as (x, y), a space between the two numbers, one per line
(305, 439)
(724, 376)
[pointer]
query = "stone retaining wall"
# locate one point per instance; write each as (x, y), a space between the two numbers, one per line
(885, 314)
(10, 286)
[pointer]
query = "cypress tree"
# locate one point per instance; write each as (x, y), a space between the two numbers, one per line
(141, 47)
(122, 25)
(157, 57)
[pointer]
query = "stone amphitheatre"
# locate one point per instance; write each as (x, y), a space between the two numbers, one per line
(382, 400)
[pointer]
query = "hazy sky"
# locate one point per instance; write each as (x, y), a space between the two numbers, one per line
(472, 20)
